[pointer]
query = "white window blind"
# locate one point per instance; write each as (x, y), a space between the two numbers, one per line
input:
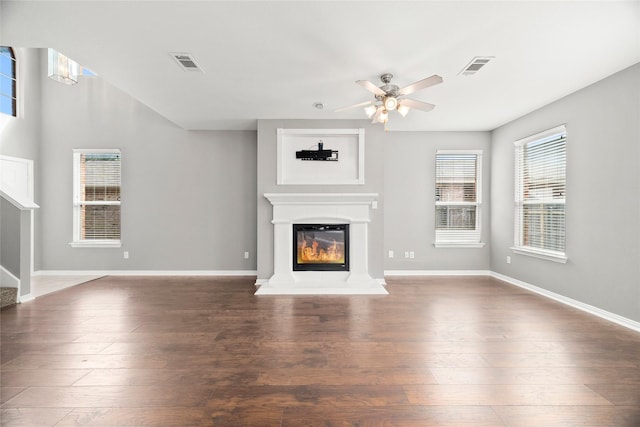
(540, 186)
(458, 196)
(97, 179)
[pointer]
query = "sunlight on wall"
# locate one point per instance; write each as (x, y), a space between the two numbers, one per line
(4, 121)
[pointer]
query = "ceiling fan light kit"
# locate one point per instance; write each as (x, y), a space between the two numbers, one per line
(383, 117)
(390, 103)
(370, 110)
(389, 97)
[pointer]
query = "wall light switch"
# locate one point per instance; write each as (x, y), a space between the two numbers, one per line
(412, 255)
(390, 254)
(246, 255)
(508, 259)
(374, 204)
(406, 254)
(125, 254)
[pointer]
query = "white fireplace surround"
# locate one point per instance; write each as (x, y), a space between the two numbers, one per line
(321, 208)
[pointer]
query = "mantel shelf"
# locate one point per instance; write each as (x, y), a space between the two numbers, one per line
(321, 198)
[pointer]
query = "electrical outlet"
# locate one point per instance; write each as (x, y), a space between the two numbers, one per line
(374, 204)
(412, 255)
(406, 254)
(390, 254)
(246, 255)
(125, 254)
(508, 259)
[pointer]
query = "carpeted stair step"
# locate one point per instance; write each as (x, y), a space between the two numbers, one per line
(8, 297)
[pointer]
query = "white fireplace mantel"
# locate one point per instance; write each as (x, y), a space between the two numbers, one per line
(321, 198)
(321, 208)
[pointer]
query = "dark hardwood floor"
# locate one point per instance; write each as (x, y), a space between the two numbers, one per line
(191, 351)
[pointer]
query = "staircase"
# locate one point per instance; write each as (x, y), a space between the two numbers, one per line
(8, 297)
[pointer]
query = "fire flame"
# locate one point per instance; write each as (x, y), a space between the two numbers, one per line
(314, 253)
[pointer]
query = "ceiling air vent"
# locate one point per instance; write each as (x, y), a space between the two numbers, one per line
(475, 65)
(186, 61)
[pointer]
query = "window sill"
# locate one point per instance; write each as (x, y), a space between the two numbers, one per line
(547, 255)
(97, 244)
(458, 245)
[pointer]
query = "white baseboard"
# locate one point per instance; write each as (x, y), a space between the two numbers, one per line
(145, 273)
(8, 279)
(25, 298)
(612, 317)
(437, 273)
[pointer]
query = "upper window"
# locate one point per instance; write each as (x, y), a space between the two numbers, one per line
(96, 198)
(541, 164)
(7, 81)
(458, 198)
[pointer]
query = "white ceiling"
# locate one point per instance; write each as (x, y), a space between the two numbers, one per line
(274, 60)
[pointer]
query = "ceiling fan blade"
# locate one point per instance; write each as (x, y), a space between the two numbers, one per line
(362, 104)
(374, 119)
(371, 87)
(421, 84)
(418, 105)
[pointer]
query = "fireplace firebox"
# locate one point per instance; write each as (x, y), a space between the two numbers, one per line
(321, 247)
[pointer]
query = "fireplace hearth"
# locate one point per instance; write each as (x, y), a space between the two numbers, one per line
(320, 247)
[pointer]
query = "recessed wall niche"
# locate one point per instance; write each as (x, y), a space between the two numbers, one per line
(348, 169)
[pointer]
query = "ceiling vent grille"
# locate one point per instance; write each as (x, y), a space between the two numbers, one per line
(475, 65)
(186, 62)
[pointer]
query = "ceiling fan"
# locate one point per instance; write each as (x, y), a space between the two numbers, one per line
(390, 97)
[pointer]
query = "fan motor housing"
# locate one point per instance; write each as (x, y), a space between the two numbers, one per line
(390, 90)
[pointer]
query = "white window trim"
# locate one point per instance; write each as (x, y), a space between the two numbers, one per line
(97, 244)
(5, 118)
(450, 242)
(77, 242)
(517, 248)
(539, 253)
(458, 245)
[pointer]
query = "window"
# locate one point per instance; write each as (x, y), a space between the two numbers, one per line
(540, 194)
(96, 198)
(458, 198)
(7, 81)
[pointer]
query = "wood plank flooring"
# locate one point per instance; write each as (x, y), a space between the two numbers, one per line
(198, 351)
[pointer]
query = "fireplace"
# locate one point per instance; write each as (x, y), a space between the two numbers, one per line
(323, 218)
(320, 247)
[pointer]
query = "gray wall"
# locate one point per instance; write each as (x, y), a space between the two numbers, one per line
(409, 217)
(10, 241)
(194, 200)
(188, 198)
(375, 139)
(20, 137)
(603, 189)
